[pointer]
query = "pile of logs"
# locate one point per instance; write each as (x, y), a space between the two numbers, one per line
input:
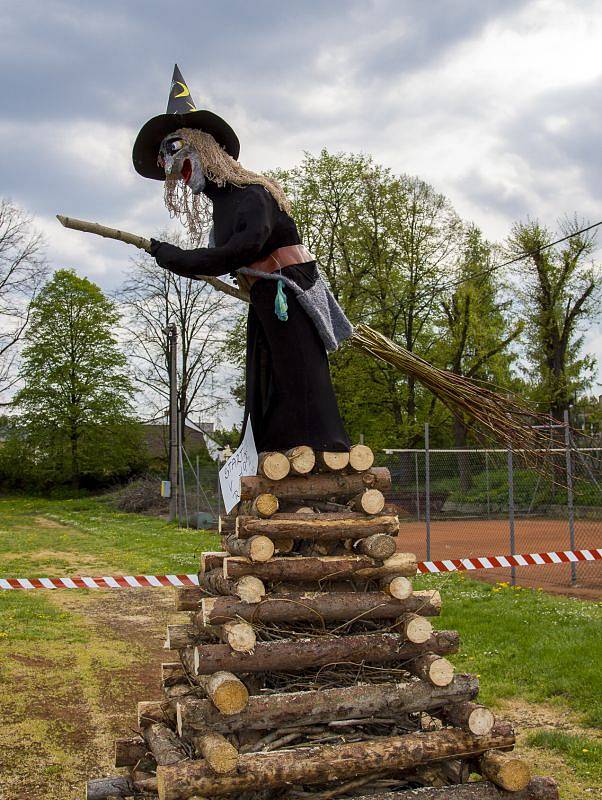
(309, 667)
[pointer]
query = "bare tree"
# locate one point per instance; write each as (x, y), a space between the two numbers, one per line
(152, 298)
(22, 271)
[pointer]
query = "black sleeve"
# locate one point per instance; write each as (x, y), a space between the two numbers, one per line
(254, 223)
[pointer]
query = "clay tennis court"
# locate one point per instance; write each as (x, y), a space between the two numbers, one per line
(458, 538)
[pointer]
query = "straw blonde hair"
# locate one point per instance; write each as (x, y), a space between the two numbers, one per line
(218, 166)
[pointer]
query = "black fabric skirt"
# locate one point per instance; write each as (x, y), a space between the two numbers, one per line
(289, 392)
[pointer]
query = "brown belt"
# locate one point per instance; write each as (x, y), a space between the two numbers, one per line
(281, 258)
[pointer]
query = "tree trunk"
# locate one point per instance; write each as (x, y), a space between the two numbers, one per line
(324, 764)
(249, 589)
(317, 486)
(318, 568)
(324, 527)
(103, 788)
(320, 607)
(295, 655)
(379, 546)
(270, 712)
(472, 717)
(505, 770)
(128, 752)
(257, 548)
(164, 744)
(464, 465)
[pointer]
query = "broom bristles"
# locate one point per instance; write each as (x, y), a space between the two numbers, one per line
(503, 417)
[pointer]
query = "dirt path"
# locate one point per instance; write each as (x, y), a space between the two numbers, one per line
(65, 701)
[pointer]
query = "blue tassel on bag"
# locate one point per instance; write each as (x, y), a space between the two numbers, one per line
(280, 304)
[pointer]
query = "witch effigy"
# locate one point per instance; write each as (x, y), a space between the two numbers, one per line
(293, 319)
(293, 322)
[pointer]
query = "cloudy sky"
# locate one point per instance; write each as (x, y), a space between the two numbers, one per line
(497, 103)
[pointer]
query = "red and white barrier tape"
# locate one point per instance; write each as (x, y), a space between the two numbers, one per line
(448, 565)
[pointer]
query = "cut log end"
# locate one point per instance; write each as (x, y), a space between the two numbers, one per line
(302, 459)
(371, 501)
(379, 546)
(333, 462)
(240, 636)
(274, 466)
(250, 589)
(505, 770)
(415, 628)
(398, 587)
(361, 457)
(265, 504)
(430, 667)
(480, 721)
(227, 692)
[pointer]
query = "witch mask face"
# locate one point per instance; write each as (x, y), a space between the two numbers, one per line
(179, 160)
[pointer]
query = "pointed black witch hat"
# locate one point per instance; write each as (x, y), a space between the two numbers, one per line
(181, 113)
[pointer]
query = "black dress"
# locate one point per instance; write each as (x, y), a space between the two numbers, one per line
(289, 393)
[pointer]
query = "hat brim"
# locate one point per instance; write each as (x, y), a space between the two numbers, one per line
(152, 133)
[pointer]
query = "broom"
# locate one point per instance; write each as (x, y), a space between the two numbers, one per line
(501, 416)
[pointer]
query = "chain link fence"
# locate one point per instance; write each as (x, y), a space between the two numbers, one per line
(463, 503)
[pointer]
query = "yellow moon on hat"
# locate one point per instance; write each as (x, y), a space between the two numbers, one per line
(185, 90)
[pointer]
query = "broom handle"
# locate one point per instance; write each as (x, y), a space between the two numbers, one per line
(142, 244)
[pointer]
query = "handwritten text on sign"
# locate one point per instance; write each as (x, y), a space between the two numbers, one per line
(242, 462)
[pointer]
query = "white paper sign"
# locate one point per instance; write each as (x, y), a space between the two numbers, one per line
(242, 462)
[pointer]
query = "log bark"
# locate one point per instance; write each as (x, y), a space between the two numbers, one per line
(471, 717)
(249, 589)
(128, 752)
(299, 654)
(257, 548)
(537, 789)
(164, 744)
(102, 788)
(433, 668)
(317, 568)
(172, 672)
(302, 459)
(186, 635)
(273, 466)
(320, 607)
(505, 770)
(322, 527)
(361, 457)
(323, 764)
(211, 560)
(370, 501)
(187, 598)
(151, 711)
(270, 712)
(219, 754)
(380, 546)
(317, 486)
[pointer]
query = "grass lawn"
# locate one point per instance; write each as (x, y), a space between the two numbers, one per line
(74, 663)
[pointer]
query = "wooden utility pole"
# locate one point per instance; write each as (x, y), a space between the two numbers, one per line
(172, 333)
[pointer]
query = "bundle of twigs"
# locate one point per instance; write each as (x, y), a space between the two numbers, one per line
(502, 416)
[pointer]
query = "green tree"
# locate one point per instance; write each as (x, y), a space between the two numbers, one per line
(75, 402)
(559, 293)
(476, 332)
(385, 243)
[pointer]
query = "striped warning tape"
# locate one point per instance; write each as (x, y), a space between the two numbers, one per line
(448, 565)
(523, 560)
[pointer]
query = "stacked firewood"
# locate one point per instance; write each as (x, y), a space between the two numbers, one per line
(309, 667)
